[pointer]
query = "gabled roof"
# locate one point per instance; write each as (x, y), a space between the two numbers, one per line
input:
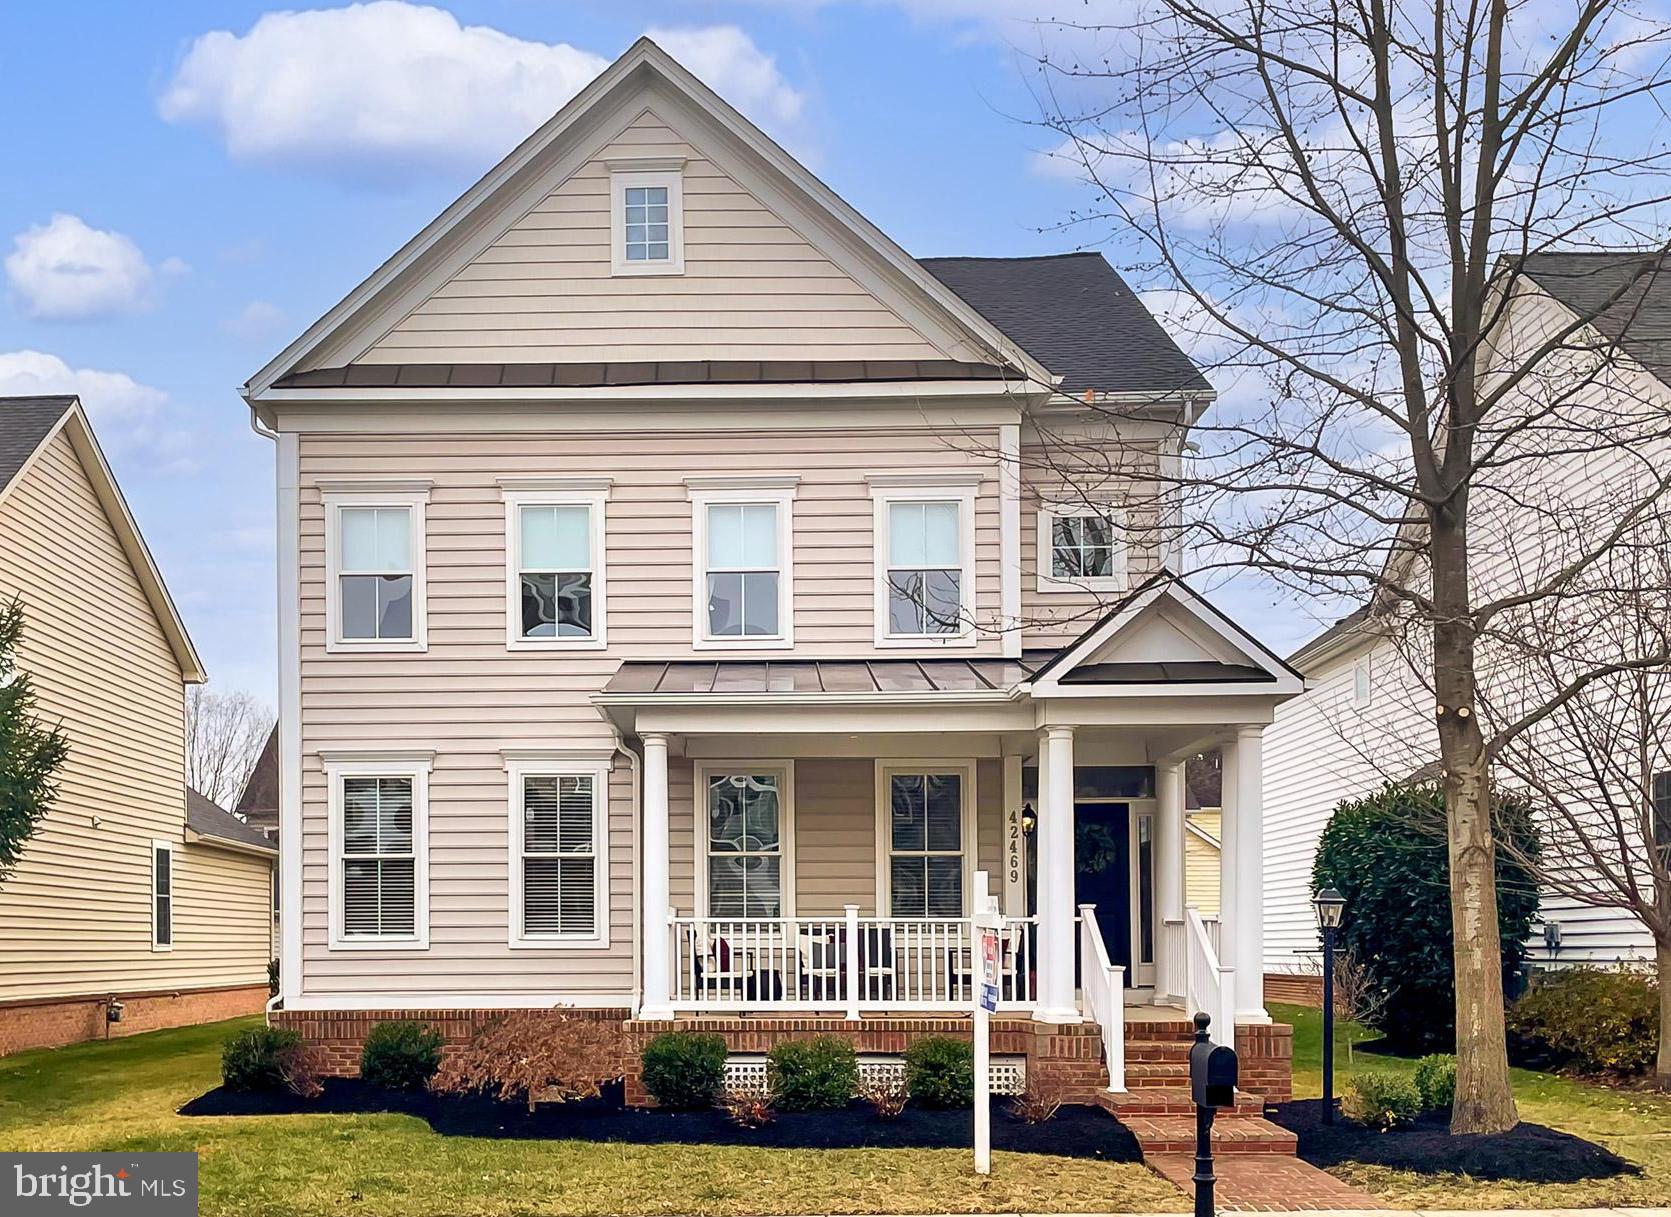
(208, 821)
(20, 423)
(259, 800)
(1624, 294)
(511, 187)
(1076, 316)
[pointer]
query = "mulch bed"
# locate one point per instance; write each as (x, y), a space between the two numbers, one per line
(1074, 1132)
(1528, 1153)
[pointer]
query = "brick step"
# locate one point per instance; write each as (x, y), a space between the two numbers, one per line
(1232, 1134)
(1172, 1100)
(1157, 1073)
(1157, 1051)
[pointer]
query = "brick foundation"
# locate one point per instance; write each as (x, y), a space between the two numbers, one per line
(1267, 1060)
(53, 1022)
(1296, 989)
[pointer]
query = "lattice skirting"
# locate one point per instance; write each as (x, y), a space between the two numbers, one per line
(745, 1073)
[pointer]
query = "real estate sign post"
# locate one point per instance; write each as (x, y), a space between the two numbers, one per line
(986, 922)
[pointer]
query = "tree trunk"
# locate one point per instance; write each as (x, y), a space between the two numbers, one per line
(1662, 1065)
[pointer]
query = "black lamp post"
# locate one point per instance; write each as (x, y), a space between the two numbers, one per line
(1330, 905)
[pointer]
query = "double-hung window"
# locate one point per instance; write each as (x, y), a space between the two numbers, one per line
(555, 563)
(375, 552)
(559, 852)
(743, 592)
(379, 852)
(162, 896)
(1662, 811)
(926, 836)
(925, 560)
(647, 216)
(747, 826)
(1081, 547)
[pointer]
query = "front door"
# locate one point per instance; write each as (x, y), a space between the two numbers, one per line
(1102, 872)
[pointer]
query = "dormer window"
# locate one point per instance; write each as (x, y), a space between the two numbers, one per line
(647, 217)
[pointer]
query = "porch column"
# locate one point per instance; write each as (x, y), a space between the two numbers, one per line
(1169, 872)
(1244, 921)
(1058, 941)
(656, 1002)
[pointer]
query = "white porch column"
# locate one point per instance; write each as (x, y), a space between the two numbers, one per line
(1169, 871)
(1057, 940)
(656, 1002)
(1245, 920)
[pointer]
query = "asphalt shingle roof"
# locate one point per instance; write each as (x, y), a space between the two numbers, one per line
(1627, 293)
(1075, 315)
(211, 820)
(24, 423)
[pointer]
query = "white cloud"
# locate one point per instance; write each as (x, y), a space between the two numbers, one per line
(131, 419)
(386, 91)
(66, 270)
(255, 320)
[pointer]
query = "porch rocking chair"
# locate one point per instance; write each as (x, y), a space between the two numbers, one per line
(721, 970)
(818, 962)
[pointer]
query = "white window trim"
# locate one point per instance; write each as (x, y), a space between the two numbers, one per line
(647, 171)
(557, 765)
(1363, 671)
(415, 501)
(592, 494)
(173, 921)
(959, 487)
(774, 491)
(1048, 580)
(414, 765)
(885, 769)
(785, 773)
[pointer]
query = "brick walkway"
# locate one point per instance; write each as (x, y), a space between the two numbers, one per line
(1266, 1183)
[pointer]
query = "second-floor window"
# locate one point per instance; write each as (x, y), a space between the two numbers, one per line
(554, 562)
(1081, 547)
(374, 549)
(1662, 810)
(744, 575)
(925, 592)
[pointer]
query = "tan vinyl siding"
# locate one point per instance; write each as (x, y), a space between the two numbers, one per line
(1201, 862)
(753, 287)
(75, 916)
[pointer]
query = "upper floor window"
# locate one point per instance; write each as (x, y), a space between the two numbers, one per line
(554, 562)
(1363, 682)
(1662, 810)
(925, 561)
(379, 875)
(646, 217)
(375, 554)
(744, 573)
(1080, 547)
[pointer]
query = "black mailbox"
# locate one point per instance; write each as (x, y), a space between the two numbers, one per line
(1212, 1069)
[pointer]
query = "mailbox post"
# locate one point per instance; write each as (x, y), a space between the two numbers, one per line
(1212, 1082)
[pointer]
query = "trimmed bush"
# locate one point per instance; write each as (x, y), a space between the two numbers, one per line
(1435, 1079)
(1382, 1100)
(684, 1071)
(259, 1058)
(1598, 1020)
(401, 1054)
(940, 1072)
(818, 1074)
(1387, 855)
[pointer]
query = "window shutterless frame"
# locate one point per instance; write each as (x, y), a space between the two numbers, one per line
(162, 895)
(1363, 682)
(955, 487)
(886, 771)
(1081, 545)
(646, 216)
(783, 772)
(413, 503)
(415, 767)
(725, 493)
(522, 770)
(591, 494)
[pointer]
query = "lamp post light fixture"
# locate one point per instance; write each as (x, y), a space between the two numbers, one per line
(1330, 906)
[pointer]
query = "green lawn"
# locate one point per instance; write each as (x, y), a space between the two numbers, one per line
(123, 1094)
(1633, 1125)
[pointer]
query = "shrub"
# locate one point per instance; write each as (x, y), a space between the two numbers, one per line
(684, 1071)
(886, 1095)
(813, 1075)
(1435, 1079)
(272, 1058)
(1599, 1020)
(940, 1072)
(1387, 855)
(551, 1056)
(1382, 1100)
(750, 1109)
(401, 1054)
(1040, 1101)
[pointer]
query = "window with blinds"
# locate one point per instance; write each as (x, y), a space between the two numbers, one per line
(925, 844)
(558, 857)
(379, 858)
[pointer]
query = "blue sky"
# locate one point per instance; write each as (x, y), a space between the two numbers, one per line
(221, 190)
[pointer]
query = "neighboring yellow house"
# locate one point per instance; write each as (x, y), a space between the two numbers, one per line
(1201, 859)
(132, 891)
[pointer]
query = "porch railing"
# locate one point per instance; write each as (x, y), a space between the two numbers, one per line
(1102, 989)
(1208, 985)
(849, 963)
(1174, 953)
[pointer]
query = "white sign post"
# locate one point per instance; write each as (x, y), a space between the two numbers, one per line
(986, 924)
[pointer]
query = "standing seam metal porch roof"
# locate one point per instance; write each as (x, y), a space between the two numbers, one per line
(744, 676)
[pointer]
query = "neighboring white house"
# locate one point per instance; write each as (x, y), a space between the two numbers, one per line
(1366, 715)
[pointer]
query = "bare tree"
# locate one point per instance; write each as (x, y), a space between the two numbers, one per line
(225, 733)
(1342, 203)
(1358, 999)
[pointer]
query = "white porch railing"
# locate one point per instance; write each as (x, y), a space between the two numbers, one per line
(1208, 985)
(1174, 954)
(850, 963)
(1102, 989)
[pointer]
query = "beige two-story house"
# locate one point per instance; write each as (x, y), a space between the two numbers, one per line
(682, 613)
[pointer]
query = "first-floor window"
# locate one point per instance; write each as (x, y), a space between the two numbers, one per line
(558, 855)
(745, 845)
(1662, 810)
(379, 858)
(925, 844)
(162, 895)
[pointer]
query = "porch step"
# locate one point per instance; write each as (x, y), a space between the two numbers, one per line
(1156, 1052)
(1173, 1100)
(1232, 1134)
(1156, 1073)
